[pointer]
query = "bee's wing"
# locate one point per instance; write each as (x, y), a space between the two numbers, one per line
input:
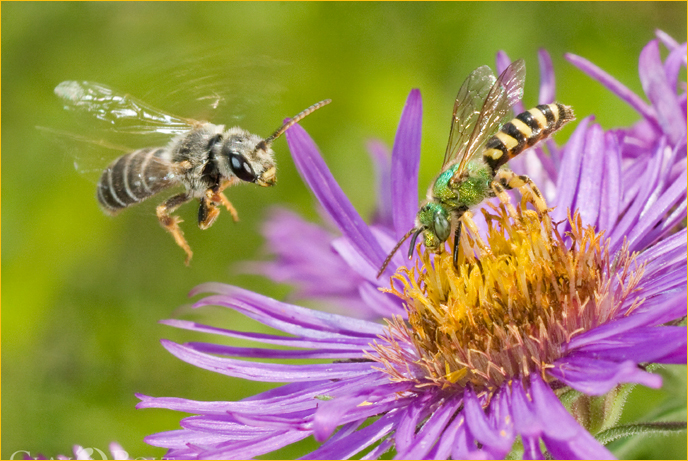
(481, 105)
(467, 106)
(124, 113)
(90, 157)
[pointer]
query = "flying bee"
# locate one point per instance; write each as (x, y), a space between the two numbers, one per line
(203, 158)
(476, 151)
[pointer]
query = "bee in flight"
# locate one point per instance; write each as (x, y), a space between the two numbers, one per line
(203, 157)
(476, 151)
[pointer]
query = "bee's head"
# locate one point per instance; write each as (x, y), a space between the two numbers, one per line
(248, 157)
(433, 218)
(433, 221)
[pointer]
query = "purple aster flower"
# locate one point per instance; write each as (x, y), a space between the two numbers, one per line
(324, 263)
(471, 360)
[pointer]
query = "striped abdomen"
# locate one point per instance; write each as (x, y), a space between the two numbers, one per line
(133, 178)
(524, 131)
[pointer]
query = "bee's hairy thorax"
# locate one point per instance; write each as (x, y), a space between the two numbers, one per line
(469, 190)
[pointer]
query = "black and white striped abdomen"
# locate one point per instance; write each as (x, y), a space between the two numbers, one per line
(134, 177)
(524, 131)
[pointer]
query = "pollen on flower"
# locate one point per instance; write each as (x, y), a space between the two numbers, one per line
(511, 306)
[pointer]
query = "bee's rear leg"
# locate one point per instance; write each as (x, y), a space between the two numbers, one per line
(510, 180)
(171, 223)
(498, 189)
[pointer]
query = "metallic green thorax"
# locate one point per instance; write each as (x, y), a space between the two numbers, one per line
(447, 199)
(472, 189)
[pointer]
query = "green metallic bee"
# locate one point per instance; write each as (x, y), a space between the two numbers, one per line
(476, 151)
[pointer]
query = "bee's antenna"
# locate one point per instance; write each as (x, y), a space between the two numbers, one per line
(413, 242)
(396, 247)
(296, 119)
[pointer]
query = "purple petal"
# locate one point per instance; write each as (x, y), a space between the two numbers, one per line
(665, 254)
(658, 91)
(252, 448)
(383, 178)
(346, 430)
(255, 352)
(289, 315)
(662, 284)
(480, 427)
(180, 438)
(588, 195)
(500, 414)
(329, 415)
(570, 171)
(611, 184)
(224, 425)
(409, 419)
(647, 184)
(315, 173)
(547, 86)
(383, 304)
(615, 87)
(668, 310)
(503, 62)
(564, 437)
(531, 448)
(347, 447)
(326, 342)
(304, 257)
(291, 397)
(267, 372)
(405, 163)
(667, 39)
(304, 329)
(465, 445)
(594, 376)
(673, 64)
(675, 195)
(377, 452)
(432, 430)
(645, 344)
(351, 407)
(525, 419)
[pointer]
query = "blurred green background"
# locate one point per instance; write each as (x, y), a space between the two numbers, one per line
(82, 292)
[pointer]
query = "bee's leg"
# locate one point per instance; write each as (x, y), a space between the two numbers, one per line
(207, 213)
(217, 196)
(498, 189)
(510, 180)
(457, 238)
(171, 223)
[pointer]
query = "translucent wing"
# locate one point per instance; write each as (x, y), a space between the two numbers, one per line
(124, 113)
(480, 107)
(469, 101)
(89, 157)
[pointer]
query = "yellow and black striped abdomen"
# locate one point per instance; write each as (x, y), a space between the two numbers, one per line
(524, 131)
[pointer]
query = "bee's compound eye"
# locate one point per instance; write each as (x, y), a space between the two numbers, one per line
(442, 227)
(241, 167)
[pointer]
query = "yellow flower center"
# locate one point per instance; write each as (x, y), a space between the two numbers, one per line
(511, 305)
